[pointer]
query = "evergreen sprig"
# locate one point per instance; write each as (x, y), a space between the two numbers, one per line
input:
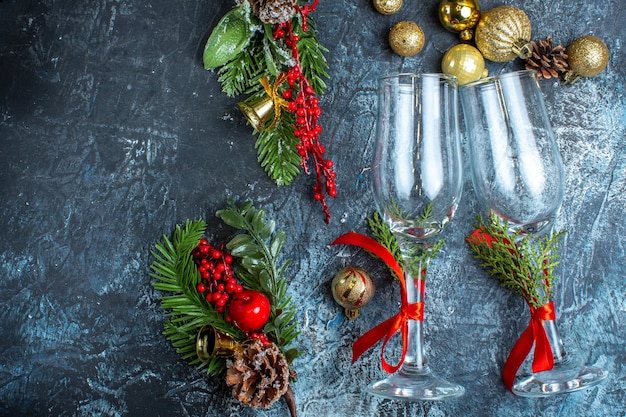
(266, 56)
(312, 57)
(258, 249)
(276, 150)
(522, 263)
(187, 311)
(415, 257)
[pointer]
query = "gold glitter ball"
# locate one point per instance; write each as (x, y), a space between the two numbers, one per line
(587, 56)
(387, 6)
(503, 34)
(406, 38)
(352, 288)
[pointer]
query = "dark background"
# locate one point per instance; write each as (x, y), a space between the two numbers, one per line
(111, 133)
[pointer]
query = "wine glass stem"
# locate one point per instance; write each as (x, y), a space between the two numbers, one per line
(558, 350)
(415, 288)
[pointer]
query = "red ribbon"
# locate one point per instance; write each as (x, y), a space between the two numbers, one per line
(390, 326)
(535, 333)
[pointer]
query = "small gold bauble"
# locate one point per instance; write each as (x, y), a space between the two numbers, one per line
(465, 62)
(503, 33)
(587, 56)
(352, 288)
(387, 6)
(459, 16)
(406, 38)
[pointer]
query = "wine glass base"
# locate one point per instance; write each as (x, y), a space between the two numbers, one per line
(566, 376)
(414, 385)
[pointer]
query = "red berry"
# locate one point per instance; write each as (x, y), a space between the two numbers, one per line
(201, 287)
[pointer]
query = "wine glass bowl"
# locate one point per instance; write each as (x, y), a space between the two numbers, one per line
(418, 176)
(516, 166)
(418, 181)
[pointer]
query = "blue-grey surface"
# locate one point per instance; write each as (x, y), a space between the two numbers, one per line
(111, 133)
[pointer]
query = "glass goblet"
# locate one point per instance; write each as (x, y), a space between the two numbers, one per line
(517, 173)
(417, 187)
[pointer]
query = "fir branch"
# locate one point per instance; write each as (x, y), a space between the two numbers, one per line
(175, 273)
(416, 257)
(276, 150)
(524, 264)
(241, 74)
(259, 248)
(312, 57)
(383, 235)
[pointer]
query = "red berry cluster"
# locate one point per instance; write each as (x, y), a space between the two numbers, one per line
(305, 105)
(218, 283)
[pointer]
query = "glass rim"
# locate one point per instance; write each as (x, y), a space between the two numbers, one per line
(493, 78)
(440, 76)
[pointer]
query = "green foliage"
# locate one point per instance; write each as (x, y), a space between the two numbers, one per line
(264, 56)
(229, 37)
(415, 257)
(276, 150)
(175, 272)
(258, 249)
(522, 263)
(312, 56)
(383, 235)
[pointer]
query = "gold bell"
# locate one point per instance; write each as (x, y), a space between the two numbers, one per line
(211, 342)
(257, 111)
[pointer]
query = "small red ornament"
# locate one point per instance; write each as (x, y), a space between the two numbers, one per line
(249, 310)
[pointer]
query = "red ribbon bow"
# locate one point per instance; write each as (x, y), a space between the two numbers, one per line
(543, 359)
(390, 326)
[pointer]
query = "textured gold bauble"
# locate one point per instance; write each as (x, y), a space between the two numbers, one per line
(503, 33)
(459, 16)
(387, 6)
(465, 62)
(587, 56)
(406, 38)
(352, 288)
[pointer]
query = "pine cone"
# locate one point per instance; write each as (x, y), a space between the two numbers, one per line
(272, 11)
(549, 61)
(259, 375)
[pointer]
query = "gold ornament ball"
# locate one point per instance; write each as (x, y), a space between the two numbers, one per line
(465, 62)
(387, 6)
(352, 288)
(503, 33)
(406, 38)
(587, 56)
(459, 16)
